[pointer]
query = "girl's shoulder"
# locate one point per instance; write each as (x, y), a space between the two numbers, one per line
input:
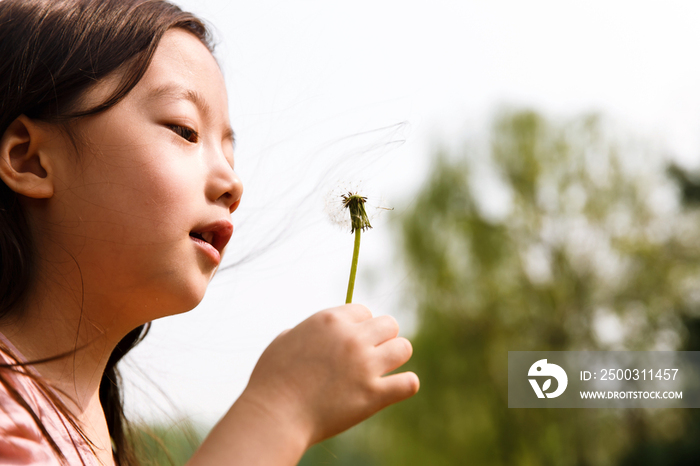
(21, 439)
(28, 416)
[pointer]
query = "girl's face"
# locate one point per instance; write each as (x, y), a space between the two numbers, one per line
(144, 209)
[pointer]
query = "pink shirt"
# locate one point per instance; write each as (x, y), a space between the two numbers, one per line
(21, 440)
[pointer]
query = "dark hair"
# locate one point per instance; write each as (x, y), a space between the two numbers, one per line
(51, 53)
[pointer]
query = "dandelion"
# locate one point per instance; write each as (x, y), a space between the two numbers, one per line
(352, 213)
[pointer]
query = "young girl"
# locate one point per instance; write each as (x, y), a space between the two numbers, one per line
(116, 161)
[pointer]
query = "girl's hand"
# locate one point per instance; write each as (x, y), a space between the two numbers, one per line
(312, 382)
(325, 375)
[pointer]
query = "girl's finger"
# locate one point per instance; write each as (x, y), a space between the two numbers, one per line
(393, 354)
(356, 312)
(398, 387)
(380, 329)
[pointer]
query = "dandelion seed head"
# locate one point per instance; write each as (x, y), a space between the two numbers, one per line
(337, 206)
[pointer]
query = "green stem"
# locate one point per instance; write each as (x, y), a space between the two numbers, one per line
(353, 268)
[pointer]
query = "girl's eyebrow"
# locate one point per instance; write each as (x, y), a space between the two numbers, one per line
(229, 135)
(177, 92)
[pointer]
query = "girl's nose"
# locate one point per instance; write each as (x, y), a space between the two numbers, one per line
(233, 195)
(225, 187)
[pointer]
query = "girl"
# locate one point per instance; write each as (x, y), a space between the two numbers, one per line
(116, 161)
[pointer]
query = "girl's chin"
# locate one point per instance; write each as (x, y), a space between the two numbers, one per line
(180, 297)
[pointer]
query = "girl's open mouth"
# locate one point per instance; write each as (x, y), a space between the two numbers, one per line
(206, 247)
(213, 238)
(206, 236)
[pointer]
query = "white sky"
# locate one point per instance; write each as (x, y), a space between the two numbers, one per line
(319, 90)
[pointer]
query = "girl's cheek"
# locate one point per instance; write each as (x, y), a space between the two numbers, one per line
(169, 188)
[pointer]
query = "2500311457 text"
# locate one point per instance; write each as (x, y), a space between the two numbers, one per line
(630, 374)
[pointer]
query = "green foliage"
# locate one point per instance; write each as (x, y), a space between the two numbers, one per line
(166, 444)
(344, 450)
(594, 252)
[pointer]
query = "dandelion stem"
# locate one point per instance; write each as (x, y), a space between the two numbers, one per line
(359, 221)
(353, 268)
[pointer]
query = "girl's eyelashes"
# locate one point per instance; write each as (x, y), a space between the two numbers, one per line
(185, 133)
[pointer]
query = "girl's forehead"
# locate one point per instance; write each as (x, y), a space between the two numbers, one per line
(183, 68)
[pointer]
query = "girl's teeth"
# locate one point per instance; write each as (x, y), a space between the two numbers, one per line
(208, 236)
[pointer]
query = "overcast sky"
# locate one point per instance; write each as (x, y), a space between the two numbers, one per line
(323, 92)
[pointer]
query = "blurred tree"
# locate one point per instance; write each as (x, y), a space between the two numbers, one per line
(689, 184)
(166, 444)
(682, 450)
(552, 237)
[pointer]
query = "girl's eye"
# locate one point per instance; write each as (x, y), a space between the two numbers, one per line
(185, 133)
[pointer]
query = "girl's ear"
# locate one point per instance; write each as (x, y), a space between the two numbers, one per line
(25, 165)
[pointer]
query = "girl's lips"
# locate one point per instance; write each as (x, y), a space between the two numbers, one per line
(208, 249)
(219, 231)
